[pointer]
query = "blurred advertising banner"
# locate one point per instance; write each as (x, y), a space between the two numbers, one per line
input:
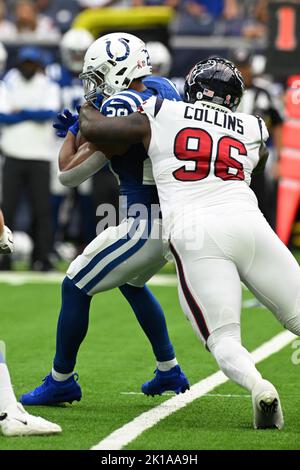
(283, 50)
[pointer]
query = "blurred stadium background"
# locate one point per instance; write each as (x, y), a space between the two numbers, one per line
(53, 224)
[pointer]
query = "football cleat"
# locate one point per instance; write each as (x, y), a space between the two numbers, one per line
(52, 392)
(266, 407)
(173, 380)
(15, 421)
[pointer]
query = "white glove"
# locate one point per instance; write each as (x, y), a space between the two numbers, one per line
(6, 241)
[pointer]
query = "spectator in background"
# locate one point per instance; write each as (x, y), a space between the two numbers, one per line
(210, 16)
(257, 19)
(31, 24)
(29, 102)
(7, 29)
(104, 3)
(169, 3)
(258, 100)
(61, 11)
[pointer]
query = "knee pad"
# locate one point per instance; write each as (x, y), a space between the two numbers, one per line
(232, 331)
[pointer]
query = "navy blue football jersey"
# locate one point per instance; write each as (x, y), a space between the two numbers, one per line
(134, 169)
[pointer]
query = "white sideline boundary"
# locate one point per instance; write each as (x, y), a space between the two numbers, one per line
(23, 277)
(130, 431)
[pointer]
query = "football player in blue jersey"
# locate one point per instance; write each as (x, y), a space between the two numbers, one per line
(116, 73)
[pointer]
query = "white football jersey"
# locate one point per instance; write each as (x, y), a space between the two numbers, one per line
(203, 156)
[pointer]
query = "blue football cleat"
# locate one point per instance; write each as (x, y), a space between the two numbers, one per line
(173, 380)
(52, 392)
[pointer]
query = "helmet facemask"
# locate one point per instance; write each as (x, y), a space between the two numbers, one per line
(94, 83)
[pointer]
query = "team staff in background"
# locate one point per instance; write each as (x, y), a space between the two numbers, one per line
(29, 102)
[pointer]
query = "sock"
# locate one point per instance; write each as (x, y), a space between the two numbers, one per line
(234, 360)
(164, 366)
(152, 320)
(72, 326)
(7, 396)
(60, 377)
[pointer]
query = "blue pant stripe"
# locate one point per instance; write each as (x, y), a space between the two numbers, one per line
(110, 266)
(98, 258)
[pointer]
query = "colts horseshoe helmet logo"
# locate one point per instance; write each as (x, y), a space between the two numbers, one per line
(118, 59)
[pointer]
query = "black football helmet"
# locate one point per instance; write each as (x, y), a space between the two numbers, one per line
(216, 80)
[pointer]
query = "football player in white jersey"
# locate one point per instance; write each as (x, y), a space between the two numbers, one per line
(14, 420)
(203, 155)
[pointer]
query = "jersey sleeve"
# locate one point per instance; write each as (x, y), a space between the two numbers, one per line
(151, 107)
(263, 131)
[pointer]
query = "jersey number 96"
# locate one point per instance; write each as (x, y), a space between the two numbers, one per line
(195, 145)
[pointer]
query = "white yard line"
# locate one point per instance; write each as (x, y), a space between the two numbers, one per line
(130, 431)
(21, 278)
(221, 395)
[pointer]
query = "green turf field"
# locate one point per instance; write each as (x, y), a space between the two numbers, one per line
(116, 358)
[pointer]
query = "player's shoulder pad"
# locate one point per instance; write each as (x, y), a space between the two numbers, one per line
(127, 99)
(164, 87)
(264, 134)
(152, 106)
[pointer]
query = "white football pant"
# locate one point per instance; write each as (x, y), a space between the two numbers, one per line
(225, 250)
(130, 253)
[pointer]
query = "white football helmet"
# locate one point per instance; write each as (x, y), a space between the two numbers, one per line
(73, 47)
(112, 62)
(160, 57)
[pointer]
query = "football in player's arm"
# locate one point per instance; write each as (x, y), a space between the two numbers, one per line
(78, 160)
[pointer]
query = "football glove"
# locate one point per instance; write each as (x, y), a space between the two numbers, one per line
(6, 241)
(63, 123)
(75, 128)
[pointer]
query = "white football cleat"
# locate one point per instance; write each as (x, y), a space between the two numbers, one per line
(15, 421)
(266, 406)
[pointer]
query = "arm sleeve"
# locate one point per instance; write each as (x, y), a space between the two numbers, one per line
(82, 172)
(38, 115)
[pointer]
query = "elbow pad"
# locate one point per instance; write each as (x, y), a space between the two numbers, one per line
(83, 171)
